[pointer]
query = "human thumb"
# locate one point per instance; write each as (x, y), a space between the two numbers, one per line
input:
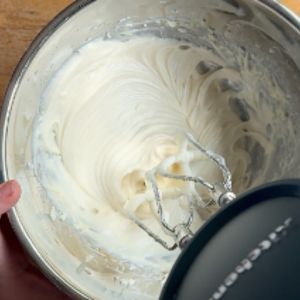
(10, 192)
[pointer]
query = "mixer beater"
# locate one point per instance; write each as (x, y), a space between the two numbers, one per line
(219, 194)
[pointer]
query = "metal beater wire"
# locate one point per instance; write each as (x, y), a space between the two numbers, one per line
(151, 178)
(218, 160)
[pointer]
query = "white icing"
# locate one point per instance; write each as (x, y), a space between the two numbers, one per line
(116, 110)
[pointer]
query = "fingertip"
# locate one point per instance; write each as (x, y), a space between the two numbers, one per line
(16, 190)
(10, 193)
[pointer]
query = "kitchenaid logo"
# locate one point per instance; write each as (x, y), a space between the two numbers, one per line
(247, 263)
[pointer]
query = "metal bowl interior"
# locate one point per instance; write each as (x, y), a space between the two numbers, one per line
(59, 251)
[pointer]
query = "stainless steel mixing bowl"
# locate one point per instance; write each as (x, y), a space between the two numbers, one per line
(56, 249)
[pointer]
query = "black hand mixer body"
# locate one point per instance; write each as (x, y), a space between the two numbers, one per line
(248, 250)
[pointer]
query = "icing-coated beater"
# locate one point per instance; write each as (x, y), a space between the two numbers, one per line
(219, 193)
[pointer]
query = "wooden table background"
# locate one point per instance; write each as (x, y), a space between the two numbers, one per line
(21, 20)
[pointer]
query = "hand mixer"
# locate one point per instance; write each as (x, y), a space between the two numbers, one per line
(248, 250)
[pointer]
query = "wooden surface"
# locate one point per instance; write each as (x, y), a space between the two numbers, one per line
(292, 4)
(21, 20)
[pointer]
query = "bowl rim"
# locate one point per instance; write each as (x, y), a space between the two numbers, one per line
(58, 280)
